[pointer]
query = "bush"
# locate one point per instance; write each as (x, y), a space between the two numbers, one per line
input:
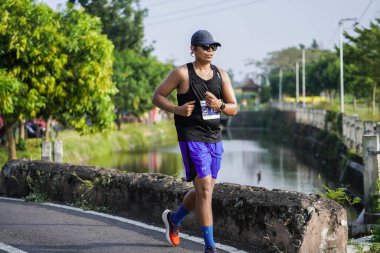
(21, 145)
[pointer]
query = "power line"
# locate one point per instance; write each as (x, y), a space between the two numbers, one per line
(333, 37)
(190, 9)
(357, 21)
(365, 11)
(162, 3)
(337, 29)
(205, 13)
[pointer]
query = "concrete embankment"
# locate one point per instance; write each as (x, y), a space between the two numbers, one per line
(271, 220)
(321, 149)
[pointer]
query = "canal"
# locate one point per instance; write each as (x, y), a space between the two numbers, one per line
(251, 157)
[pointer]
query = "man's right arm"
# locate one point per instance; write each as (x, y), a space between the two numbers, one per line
(170, 83)
(161, 93)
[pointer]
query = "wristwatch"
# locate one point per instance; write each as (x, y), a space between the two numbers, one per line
(222, 107)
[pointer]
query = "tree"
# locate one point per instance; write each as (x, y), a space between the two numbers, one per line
(364, 52)
(85, 88)
(122, 21)
(314, 45)
(286, 59)
(63, 62)
(137, 77)
(14, 102)
(28, 42)
(136, 72)
(358, 84)
(323, 74)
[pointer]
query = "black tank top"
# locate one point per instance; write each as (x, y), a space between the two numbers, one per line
(194, 127)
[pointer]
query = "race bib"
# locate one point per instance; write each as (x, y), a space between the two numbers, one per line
(208, 112)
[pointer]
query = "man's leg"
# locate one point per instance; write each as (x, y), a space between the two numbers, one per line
(187, 205)
(196, 157)
(173, 220)
(203, 205)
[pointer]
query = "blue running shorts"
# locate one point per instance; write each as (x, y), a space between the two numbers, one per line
(201, 159)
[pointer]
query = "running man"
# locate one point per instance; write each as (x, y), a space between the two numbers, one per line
(204, 92)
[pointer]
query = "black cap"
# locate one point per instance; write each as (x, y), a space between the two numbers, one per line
(203, 37)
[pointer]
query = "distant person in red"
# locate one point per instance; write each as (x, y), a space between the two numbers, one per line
(36, 128)
(41, 123)
(204, 92)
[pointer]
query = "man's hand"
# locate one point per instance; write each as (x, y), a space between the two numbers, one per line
(212, 101)
(185, 110)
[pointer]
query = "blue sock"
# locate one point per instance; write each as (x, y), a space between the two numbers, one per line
(208, 236)
(179, 215)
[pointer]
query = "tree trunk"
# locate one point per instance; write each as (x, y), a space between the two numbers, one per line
(21, 130)
(11, 143)
(48, 129)
(374, 99)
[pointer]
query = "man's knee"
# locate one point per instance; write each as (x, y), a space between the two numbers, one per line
(204, 187)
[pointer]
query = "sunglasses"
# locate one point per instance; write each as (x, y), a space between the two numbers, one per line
(207, 47)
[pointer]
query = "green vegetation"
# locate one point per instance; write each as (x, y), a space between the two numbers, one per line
(79, 148)
(360, 109)
(136, 87)
(89, 187)
(375, 246)
(47, 70)
(339, 195)
(361, 72)
(136, 72)
(359, 248)
(122, 21)
(74, 66)
(38, 187)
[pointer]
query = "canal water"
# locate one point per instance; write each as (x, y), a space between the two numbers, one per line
(251, 157)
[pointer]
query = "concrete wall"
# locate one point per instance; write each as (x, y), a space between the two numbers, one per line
(266, 220)
(326, 149)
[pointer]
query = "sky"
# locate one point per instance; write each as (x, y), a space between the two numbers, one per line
(247, 29)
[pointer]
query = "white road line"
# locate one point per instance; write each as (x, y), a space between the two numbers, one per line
(135, 223)
(14, 199)
(10, 249)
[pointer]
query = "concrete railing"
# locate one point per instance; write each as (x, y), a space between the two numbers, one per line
(352, 127)
(265, 220)
(371, 177)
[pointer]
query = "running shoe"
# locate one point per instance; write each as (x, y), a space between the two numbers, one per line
(211, 250)
(172, 230)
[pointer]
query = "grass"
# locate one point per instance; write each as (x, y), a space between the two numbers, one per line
(362, 110)
(77, 148)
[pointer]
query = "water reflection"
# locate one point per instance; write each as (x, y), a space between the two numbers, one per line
(158, 160)
(251, 157)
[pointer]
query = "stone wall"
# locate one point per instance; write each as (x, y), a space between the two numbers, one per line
(268, 221)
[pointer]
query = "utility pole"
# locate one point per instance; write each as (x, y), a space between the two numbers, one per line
(303, 79)
(280, 89)
(341, 62)
(297, 83)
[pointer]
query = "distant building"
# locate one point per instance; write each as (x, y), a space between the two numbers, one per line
(248, 85)
(249, 94)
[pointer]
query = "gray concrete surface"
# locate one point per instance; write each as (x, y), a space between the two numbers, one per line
(36, 228)
(246, 215)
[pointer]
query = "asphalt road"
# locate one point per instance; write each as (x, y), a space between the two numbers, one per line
(39, 228)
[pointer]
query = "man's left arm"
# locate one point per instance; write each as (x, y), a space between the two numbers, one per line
(229, 99)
